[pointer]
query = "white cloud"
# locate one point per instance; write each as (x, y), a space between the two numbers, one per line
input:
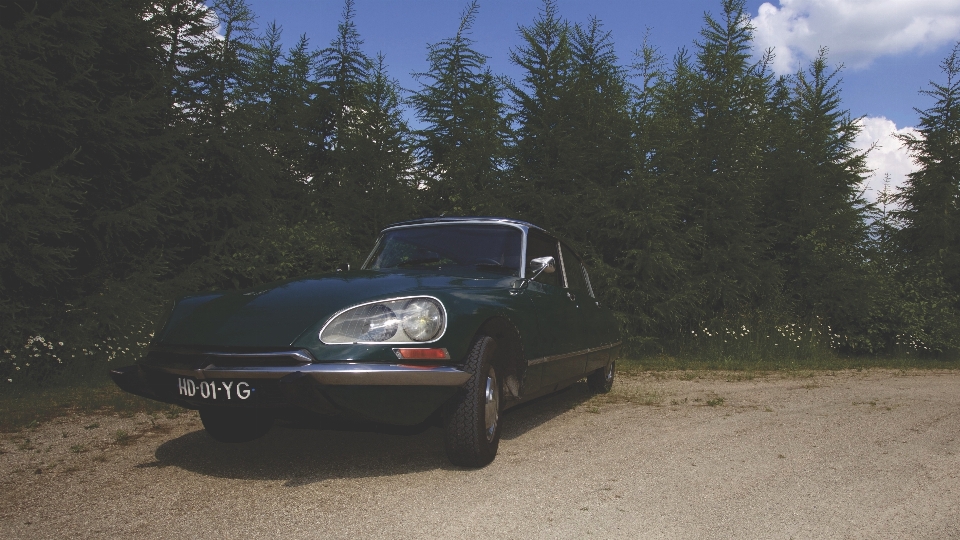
(888, 155)
(855, 31)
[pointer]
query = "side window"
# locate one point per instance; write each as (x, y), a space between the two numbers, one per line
(573, 269)
(541, 245)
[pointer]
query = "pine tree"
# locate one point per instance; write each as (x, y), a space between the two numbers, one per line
(306, 108)
(814, 204)
(603, 115)
(931, 195)
(185, 29)
(90, 175)
(599, 112)
(647, 276)
(722, 173)
(544, 134)
(344, 68)
(382, 165)
(930, 215)
(367, 154)
(236, 178)
(463, 148)
(285, 114)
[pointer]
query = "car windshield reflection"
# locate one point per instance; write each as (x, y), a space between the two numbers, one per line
(487, 248)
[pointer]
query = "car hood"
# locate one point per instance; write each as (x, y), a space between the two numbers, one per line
(275, 315)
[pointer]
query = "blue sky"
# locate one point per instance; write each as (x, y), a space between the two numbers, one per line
(890, 49)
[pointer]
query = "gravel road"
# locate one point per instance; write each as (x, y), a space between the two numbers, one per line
(873, 454)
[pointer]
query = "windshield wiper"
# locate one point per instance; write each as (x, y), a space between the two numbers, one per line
(414, 262)
(495, 267)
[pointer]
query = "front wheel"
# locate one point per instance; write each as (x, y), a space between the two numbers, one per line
(235, 425)
(601, 380)
(471, 419)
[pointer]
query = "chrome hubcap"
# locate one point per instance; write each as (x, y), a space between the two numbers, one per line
(491, 409)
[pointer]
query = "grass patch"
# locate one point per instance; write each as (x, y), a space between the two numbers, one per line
(620, 394)
(121, 437)
(26, 408)
(750, 365)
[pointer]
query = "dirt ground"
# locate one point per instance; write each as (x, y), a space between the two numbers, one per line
(873, 454)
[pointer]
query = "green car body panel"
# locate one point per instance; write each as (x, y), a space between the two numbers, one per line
(291, 313)
(287, 318)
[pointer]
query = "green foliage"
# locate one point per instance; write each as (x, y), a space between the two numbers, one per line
(90, 180)
(542, 103)
(931, 197)
(463, 147)
(812, 204)
(728, 115)
(365, 180)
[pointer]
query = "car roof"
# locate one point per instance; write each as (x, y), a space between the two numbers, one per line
(471, 219)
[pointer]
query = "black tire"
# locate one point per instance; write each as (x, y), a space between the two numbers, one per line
(471, 419)
(235, 425)
(601, 380)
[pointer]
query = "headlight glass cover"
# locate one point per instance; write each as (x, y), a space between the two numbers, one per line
(417, 319)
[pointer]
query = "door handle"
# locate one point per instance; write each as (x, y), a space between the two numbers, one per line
(571, 296)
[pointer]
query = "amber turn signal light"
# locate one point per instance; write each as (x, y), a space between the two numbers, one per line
(422, 354)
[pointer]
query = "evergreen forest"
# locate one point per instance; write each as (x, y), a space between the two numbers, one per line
(154, 148)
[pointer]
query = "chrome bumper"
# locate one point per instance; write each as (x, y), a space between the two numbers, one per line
(394, 394)
(336, 374)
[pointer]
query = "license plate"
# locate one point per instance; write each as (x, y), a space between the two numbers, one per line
(215, 390)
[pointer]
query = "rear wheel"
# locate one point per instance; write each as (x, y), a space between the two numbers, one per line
(601, 380)
(471, 419)
(235, 425)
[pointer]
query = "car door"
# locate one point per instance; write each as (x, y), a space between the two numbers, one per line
(582, 336)
(556, 315)
(591, 327)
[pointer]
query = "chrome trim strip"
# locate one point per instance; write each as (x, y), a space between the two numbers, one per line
(443, 310)
(563, 265)
(301, 355)
(545, 359)
(339, 374)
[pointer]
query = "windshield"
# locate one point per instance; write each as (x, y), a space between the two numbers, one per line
(494, 248)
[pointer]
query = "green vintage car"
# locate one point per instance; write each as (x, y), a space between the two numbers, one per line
(449, 321)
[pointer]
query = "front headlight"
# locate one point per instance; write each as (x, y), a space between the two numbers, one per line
(401, 320)
(422, 319)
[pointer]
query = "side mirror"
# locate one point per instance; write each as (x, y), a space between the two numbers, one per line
(541, 265)
(343, 268)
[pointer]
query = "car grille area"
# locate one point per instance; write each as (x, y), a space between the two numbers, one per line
(190, 359)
